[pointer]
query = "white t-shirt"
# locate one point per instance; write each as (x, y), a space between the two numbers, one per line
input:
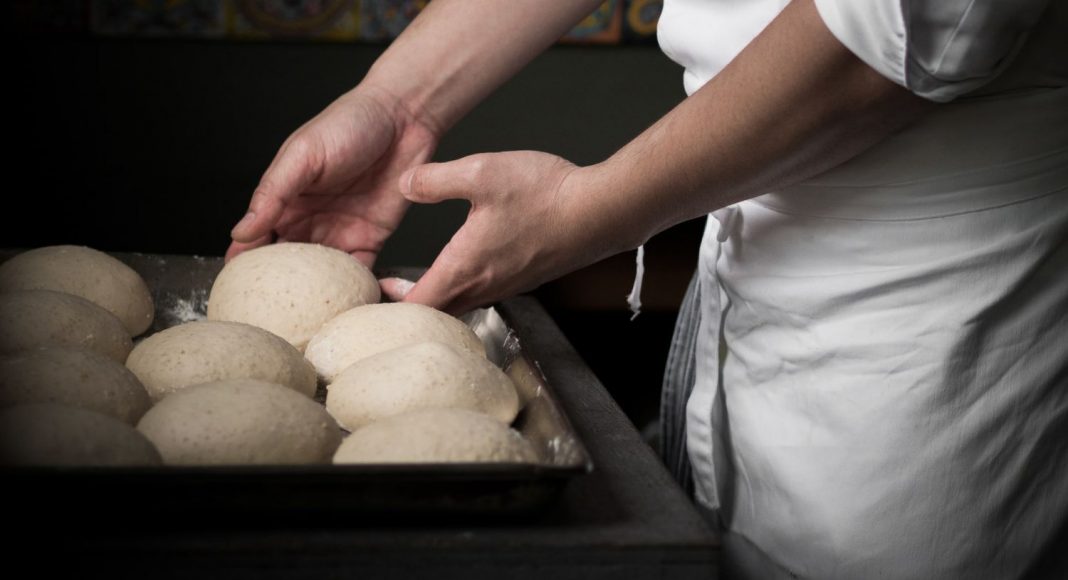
(893, 397)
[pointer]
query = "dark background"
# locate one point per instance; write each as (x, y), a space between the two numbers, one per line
(155, 146)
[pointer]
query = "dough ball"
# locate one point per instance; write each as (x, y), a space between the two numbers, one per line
(367, 330)
(45, 434)
(34, 318)
(240, 421)
(291, 289)
(436, 436)
(91, 274)
(419, 376)
(207, 351)
(74, 377)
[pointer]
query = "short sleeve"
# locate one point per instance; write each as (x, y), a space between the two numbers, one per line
(938, 49)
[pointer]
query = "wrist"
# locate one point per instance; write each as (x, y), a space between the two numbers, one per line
(408, 114)
(600, 210)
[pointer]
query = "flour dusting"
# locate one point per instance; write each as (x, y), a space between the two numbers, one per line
(179, 310)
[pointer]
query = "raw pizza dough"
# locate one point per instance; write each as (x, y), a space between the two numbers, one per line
(291, 289)
(207, 351)
(436, 436)
(35, 318)
(45, 434)
(74, 377)
(418, 376)
(367, 330)
(240, 422)
(91, 274)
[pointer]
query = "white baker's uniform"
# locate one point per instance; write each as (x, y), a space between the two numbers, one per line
(882, 357)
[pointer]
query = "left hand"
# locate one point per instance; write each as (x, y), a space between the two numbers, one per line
(523, 228)
(333, 181)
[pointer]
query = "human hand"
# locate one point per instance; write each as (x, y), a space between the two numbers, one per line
(334, 180)
(528, 223)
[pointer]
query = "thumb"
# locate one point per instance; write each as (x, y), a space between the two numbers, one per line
(288, 176)
(239, 247)
(444, 282)
(396, 289)
(436, 288)
(465, 178)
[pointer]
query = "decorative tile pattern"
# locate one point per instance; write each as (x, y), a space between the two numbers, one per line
(304, 19)
(194, 18)
(640, 18)
(614, 22)
(384, 20)
(603, 26)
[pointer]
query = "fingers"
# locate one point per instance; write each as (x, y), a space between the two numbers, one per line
(489, 257)
(465, 178)
(396, 289)
(431, 290)
(449, 284)
(365, 257)
(239, 247)
(295, 168)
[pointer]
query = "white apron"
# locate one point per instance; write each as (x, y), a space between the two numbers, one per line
(882, 359)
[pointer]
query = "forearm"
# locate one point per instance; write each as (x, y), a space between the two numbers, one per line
(458, 51)
(792, 105)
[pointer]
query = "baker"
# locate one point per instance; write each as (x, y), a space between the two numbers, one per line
(875, 338)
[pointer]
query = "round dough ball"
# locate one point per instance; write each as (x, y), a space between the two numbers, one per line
(45, 434)
(420, 376)
(74, 377)
(291, 289)
(34, 318)
(367, 330)
(207, 351)
(436, 436)
(91, 274)
(239, 422)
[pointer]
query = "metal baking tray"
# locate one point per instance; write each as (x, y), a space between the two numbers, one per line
(180, 286)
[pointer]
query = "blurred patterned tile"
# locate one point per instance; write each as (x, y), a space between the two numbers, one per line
(640, 18)
(613, 22)
(384, 20)
(603, 26)
(202, 18)
(304, 19)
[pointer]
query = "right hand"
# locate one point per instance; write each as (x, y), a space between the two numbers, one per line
(334, 180)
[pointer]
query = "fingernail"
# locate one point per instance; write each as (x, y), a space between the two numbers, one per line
(245, 221)
(406, 182)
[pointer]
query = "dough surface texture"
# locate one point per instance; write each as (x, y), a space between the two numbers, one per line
(91, 274)
(420, 376)
(74, 377)
(35, 318)
(241, 422)
(436, 436)
(43, 434)
(367, 330)
(207, 351)
(291, 289)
